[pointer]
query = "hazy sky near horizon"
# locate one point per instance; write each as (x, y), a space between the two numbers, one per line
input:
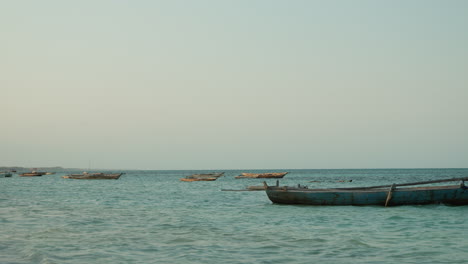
(234, 84)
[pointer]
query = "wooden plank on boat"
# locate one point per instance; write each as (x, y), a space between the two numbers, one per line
(389, 195)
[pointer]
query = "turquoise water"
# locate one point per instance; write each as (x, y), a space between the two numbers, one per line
(152, 217)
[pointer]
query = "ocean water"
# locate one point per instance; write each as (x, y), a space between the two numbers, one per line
(152, 217)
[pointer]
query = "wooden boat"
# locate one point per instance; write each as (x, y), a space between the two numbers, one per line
(32, 174)
(94, 176)
(261, 175)
(197, 179)
(206, 175)
(5, 174)
(203, 177)
(385, 195)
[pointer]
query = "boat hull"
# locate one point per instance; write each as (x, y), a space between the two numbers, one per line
(205, 175)
(277, 175)
(197, 179)
(32, 174)
(97, 176)
(453, 195)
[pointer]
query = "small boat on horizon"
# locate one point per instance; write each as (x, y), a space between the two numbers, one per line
(203, 177)
(198, 179)
(384, 195)
(94, 176)
(32, 174)
(5, 174)
(207, 175)
(261, 175)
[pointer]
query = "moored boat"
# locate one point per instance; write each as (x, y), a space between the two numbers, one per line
(197, 179)
(206, 175)
(5, 174)
(32, 174)
(203, 177)
(261, 175)
(384, 195)
(94, 176)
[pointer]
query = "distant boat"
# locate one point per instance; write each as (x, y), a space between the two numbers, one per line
(385, 195)
(198, 179)
(50, 173)
(32, 174)
(5, 174)
(203, 177)
(261, 175)
(207, 175)
(94, 176)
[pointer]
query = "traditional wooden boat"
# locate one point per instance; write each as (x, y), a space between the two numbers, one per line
(94, 176)
(5, 174)
(32, 174)
(197, 179)
(385, 195)
(261, 175)
(206, 175)
(203, 177)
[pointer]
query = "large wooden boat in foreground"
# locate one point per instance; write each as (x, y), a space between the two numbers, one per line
(94, 176)
(261, 175)
(385, 195)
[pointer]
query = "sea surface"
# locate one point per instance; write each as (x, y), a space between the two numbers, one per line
(152, 217)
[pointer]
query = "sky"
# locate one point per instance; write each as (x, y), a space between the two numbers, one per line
(247, 84)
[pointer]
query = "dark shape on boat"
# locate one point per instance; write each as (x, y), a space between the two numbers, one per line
(203, 177)
(94, 176)
(261, 175)
(385, 195)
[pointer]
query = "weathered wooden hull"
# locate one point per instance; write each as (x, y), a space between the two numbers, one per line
(453, 195)
(199, 179)
(32, 174)
(206, 175)
(98, 176)
(261, 175)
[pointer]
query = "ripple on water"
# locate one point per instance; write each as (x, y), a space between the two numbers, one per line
(150, 217)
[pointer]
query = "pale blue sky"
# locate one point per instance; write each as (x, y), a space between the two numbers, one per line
(234, 84)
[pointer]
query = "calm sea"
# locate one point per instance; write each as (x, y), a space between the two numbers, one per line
(152, 217)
